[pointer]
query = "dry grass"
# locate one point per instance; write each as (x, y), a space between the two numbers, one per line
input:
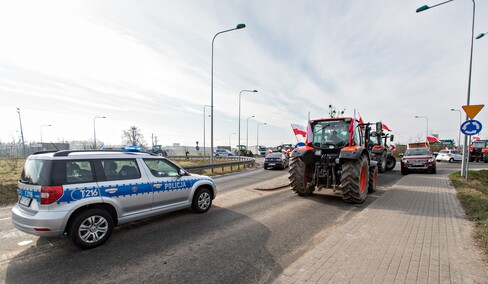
(473, 194)
(10, 169)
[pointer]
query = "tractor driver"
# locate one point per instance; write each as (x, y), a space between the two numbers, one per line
(335, 138)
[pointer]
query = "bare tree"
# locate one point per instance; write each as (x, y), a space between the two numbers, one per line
(133, 137)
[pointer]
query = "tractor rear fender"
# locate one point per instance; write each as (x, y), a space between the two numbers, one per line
(377, 149)
(352, 153)
(306, 153)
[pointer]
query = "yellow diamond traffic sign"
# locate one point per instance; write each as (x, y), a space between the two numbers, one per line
(472, 110)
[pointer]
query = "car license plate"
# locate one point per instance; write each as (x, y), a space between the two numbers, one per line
(272, 164)
(25, 201)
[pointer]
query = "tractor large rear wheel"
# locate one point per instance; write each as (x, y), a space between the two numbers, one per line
(381, 162)
(354, 181)
(299, 177)
(390, 162)
(373, 179)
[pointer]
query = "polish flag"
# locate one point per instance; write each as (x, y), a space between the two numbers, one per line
(384, 127)
(299, 129)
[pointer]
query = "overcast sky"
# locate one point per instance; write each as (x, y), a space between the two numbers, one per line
(148, 64)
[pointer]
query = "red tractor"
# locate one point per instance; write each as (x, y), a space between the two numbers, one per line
(337, 155)
(385, 159)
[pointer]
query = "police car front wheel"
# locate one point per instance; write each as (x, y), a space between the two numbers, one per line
(91, 228)
(202, 200)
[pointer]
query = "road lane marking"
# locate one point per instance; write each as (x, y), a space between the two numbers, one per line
(23, 243)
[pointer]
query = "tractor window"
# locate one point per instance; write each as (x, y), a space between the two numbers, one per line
(331, 134)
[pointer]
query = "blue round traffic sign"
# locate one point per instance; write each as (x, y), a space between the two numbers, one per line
(471, 127)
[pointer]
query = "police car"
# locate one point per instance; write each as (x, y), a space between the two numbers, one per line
(85, 194)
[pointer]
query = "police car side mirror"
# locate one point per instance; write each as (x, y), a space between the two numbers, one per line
(181, 172)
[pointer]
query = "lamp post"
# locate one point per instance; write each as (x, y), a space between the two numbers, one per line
(21, 133)
(257, 133)
(427, 129)
(459, 127)
(41, 129)
(238, 27)
(247, 132)
(464, 166)
(239, 135)
(95, 132)
(230, 145)
(205, 106)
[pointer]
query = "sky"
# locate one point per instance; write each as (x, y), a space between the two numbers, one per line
(148, 64)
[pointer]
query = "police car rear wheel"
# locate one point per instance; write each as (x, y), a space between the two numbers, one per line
(202, 200)
(91, 228)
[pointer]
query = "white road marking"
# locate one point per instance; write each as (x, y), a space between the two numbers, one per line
(23, 243)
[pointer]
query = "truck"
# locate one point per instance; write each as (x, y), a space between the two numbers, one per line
(337, 155)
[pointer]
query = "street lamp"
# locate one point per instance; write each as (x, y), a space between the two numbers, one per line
(427, 129)
(95, 132)
(464, 166)
(481, 35)
(205, 106)
(247, 132)
(239, 135)
(459, 127)
(230, 145)
(238, 27)
(41, 129)
(257, 133)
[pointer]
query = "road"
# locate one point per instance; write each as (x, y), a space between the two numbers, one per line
(248, 236)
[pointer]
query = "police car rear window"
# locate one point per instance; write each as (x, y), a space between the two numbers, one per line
(36, 172)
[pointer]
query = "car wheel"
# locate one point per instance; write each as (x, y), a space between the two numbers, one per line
(202, 201)
(433, 171)
(404, 172)
(451, 160)
(91, 228)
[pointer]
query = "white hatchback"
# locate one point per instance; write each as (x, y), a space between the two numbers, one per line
(449, 156)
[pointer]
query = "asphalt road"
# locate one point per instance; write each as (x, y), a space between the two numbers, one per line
(248, 236)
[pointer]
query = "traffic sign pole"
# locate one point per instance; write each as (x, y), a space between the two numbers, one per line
(471, 111)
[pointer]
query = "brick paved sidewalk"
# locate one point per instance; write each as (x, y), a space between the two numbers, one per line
(416, 232)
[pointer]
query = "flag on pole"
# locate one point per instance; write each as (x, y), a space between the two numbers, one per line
(299, 129)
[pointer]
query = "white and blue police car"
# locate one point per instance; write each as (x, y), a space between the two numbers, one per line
(85, 194)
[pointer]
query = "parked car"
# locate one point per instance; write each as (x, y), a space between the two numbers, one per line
(223, 152)
(449, 156)
(418, 159)
(276, 160)
(85, 194)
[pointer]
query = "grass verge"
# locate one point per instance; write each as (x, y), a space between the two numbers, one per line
(10, 169)
(473, 194)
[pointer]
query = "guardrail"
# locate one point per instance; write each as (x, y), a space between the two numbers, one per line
(244, 162)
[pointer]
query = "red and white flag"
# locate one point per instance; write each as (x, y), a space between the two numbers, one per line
(299, 129)
(384, 127)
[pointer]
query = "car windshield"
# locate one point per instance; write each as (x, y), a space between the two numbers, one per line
(417, 152)
(444, 152)
(274, 155)
(479, 145)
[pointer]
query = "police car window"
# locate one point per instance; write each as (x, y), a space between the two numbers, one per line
(161, 168)
(118, 169)
(79, 172)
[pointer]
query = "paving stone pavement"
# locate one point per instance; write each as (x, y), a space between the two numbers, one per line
(416, 232)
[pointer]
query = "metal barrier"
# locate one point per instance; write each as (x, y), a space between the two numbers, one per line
(244, 162)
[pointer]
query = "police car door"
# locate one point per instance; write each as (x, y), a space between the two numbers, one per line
(124, 185)
(170, 189)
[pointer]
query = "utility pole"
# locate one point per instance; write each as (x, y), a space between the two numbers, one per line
(21, 133)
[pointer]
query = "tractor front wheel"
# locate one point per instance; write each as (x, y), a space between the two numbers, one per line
(299, 178)
(381, 162)
(354, 181)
